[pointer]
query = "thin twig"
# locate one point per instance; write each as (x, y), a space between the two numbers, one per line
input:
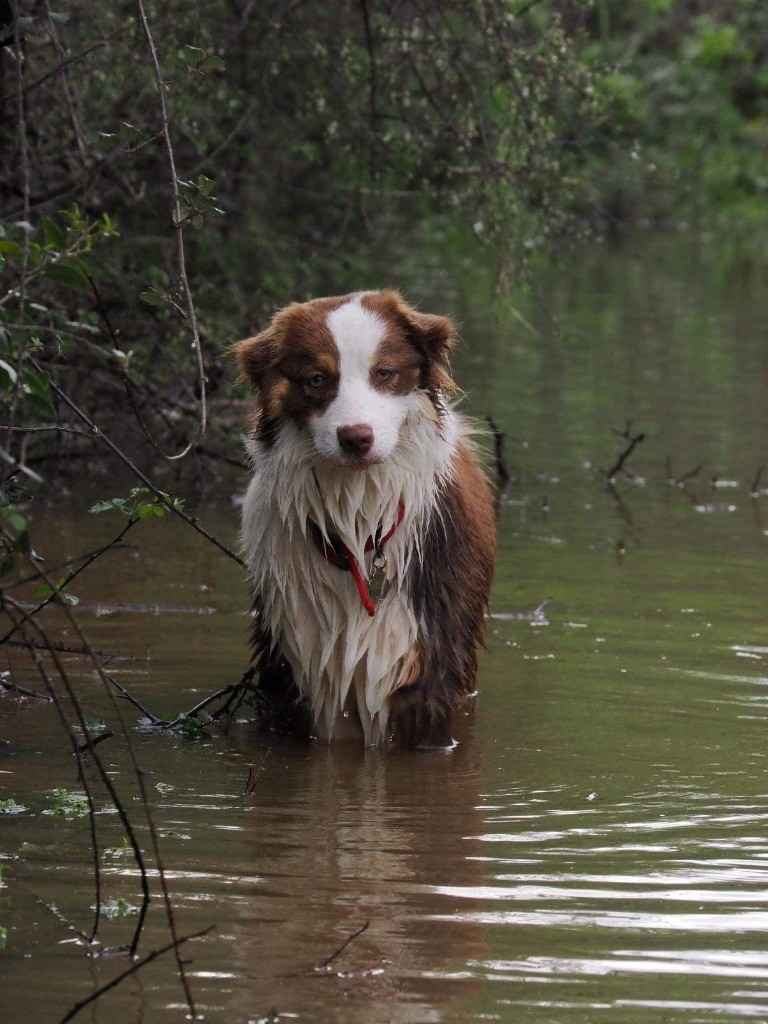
(23, 690)
(143, 795)
(92, 741)
(619, 464)
(137, 704)
(103, 774)
(502, 470)
(680, 481)
(61, 587)
(178, 224)
(63, 648)
(373, 112)
(48, 683)
(47, 428)
(132, 970)
(253, 775)
(342, 947)
(54, 911)
(97, 432)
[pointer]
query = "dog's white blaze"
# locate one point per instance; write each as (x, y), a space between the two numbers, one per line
(344, 662)
(357, 333)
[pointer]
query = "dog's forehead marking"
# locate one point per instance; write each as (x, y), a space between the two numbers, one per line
(357, 333)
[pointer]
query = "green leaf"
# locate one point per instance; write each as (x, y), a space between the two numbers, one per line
(7, 370)
(213, 63)
(36, 383)
(68, 274)
(127, 131)
(107, 506)
(11, 248)
(10, 806)
(40, 406)
(14, 519)
(151, 298)
(141, 503)
(54, 234)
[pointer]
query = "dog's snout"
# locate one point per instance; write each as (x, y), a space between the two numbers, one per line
(355, 440)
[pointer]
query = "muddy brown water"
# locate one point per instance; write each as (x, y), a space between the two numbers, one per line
(595, 849)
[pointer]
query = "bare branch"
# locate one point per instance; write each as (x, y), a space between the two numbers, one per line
(59, 589)
(342, 947)
(619, 464)
(97, 432)
(177, 220)
(502, 469)
(132, 970)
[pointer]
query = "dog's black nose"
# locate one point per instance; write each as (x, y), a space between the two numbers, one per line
(355, 440)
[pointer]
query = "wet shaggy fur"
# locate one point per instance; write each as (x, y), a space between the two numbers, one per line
(351, 430)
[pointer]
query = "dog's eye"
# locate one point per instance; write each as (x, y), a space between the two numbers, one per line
(384, 374)
(315, 381)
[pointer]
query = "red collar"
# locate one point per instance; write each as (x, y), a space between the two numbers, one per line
(337, 553)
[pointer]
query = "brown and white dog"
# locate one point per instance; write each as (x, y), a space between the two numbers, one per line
(368, 527)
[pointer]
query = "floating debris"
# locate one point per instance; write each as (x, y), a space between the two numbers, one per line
(715, 508)
(717, 483)
(536, 617)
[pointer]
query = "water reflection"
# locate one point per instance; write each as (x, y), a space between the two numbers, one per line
(595, 849)
(341, 841)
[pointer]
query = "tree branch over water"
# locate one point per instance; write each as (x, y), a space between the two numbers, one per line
(98, 433)
(133, 969)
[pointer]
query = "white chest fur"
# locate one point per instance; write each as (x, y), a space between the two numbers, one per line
(345, 663)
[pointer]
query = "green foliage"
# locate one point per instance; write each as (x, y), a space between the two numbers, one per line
(68, 804)
(10, 806)
(15, 542)
(197, 201)
(691, 89)
(194, 727)
(116, 909)
(121, 852)
(56, 592)
(141, 503)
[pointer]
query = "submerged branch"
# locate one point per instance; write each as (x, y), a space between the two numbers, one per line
(502, 469)
(23, 691)
(327, 962)
(619, 464)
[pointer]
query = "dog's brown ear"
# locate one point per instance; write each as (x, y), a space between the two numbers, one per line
(432, 335)
(254, 356)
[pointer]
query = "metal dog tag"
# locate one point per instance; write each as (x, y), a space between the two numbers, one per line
(378, 584)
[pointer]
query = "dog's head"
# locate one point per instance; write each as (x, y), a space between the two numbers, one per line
(348, 370)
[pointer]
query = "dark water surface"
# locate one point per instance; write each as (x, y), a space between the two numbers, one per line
(595, 850)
